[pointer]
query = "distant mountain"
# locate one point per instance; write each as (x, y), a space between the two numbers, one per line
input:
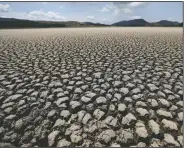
(135, 22)
(19, 23)
(168, 23)
(8, 19)
(142, 22)
(95, 24)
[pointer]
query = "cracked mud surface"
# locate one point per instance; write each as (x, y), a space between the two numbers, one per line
(91, 87)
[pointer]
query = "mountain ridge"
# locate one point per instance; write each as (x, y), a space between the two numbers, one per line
(142, 22)
(21, 23)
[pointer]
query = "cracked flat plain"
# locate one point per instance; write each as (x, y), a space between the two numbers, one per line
(91, 87)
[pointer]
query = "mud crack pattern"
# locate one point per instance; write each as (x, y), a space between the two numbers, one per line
(91, 87)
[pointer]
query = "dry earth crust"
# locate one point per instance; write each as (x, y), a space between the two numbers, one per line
(91, 87)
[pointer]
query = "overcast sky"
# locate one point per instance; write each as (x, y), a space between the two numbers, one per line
(103, 12)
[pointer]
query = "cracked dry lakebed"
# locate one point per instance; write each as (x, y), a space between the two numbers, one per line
(91, 87)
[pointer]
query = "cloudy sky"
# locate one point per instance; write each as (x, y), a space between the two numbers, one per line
(103, 12)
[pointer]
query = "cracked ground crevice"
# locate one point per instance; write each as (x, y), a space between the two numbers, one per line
(91, 87)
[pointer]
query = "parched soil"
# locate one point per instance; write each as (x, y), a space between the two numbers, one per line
(91, 87)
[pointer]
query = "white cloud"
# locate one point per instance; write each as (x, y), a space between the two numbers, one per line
(117, 8)
(106, 20)
(170, 19)
(127, 10)
(35, 15)
(136, 4)
(91, 17)
(118, 11)
(4, 8)
(108, 7)
(104, 9)
(44, 2)
(121, 4)
(136, 17)
(126, 7)
(11, 14)
(129, 4)
(41, 15)
(121, 7)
